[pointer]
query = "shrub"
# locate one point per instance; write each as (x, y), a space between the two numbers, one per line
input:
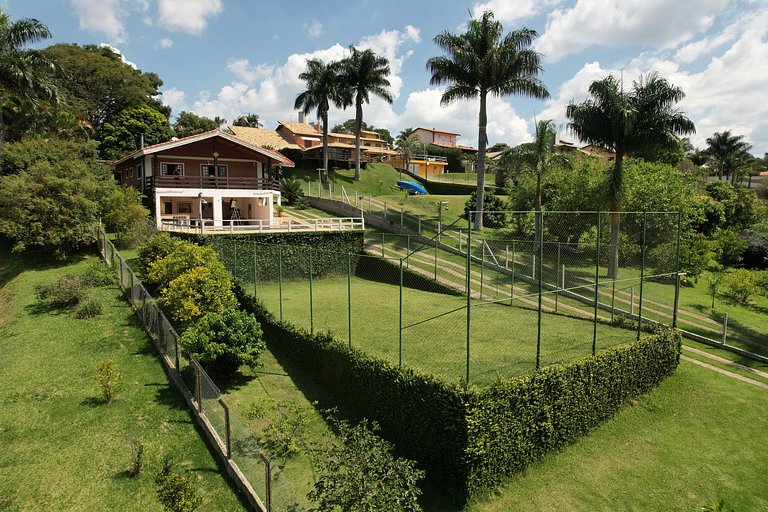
(756, 253)
(286, 432)
(98, 274)
(89, 308)
(176, 491)
(740, 285)
(156, 247)
(108, 378)
(199, 291)
(729, 248)
(66, 292)
(136, 445)
(290, 188)
(123, 210)
(360, 473)
(494, 215)
(224, 341)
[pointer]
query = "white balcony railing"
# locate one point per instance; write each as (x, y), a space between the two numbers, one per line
(187, 225)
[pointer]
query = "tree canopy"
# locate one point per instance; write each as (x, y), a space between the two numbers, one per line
(189, 123)
(123, 134)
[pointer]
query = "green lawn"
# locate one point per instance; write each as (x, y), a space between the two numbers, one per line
(698, 437)
(63, 449)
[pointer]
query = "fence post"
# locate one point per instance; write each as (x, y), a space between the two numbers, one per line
(400, 346)
(227, 427)
(408, 249)
(513, 270)
(468, 285)
(198, 387)
(133, 300)
(725, 328)
(311, 312)
(541, 266)
(401, 217)
(280, 278)
(506, 257)
(557, 278)
(268, 480)
(419, 230)
(597, 283)
(176, 351)
(677, 274)
(436, 258)
(613, 299)
(382, 243)
(482, 269)
(349, 296)
(642, 274)
(533, 266)
(632, 300)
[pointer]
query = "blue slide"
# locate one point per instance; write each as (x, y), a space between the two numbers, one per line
(412, 187)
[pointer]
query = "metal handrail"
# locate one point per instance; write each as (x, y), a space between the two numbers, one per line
(261, 225)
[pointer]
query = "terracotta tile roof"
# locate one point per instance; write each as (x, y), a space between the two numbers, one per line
(299, 128)
(435, 130)
(262, 137)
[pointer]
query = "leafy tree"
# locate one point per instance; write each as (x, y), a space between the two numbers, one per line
(714, 281)
(98, 85)
(184, 257)
(727, 152)
(359, 473)
(628, 122)
(176, 491)
(23, 72)
(742, 206)
(189, 123)
(21, 156)
(499, 146)
(409, 148)
(290, 188)
(364, 74)
(729, 248)
(224, 341)
(123, 135)
(249, 120)
(159, 245)
(495, 210)
(52, 207)
(324, 88)
(385, 136)
(483, 61)
(123, 210)
(348, 127)
(197, 292)
(740, 285)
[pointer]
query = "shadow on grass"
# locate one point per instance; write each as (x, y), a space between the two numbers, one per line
(94, 401)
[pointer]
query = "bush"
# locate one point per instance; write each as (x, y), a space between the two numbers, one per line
(494, 215)
(740, 285)
(290, 188)
(66, 292)
(89, 308)
(98, 274)
(360, 473)
(756, 252)
(123, 211)
(108, 378)
(136, 445)
(283, 436)
(224, 341)
(198, 291)
(729, 248)
(155, 248)
(176, 491)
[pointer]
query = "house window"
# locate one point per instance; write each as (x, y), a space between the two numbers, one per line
(119, 178)
(172, 169)
(206, 170)
(168, 207)
(129, 172)
(185, 207)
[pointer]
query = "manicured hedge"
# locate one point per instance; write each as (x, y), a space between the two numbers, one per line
(470, 439)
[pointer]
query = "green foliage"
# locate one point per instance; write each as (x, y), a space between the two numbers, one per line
(159, 245)
(198, 291)
(453, 156)
(290, 189)
(742, 207)
(286, 432)
(189, 123)
(714, 282)
(348, 127)
(108, 378)
(740, 285)
(495, 209)
(122, 135)
(708, 215)
(224, 341)
(52, 207)
(756, 253)
(696, 255)
(89, 308)
(717, 506)
(123, 210)
(22, 156)
(729, 248)
(98, 274)
(136, 445)
(68, 291)
(454, 432)
(176, 491)
(360, 473)
(184, 257)
(250, 120)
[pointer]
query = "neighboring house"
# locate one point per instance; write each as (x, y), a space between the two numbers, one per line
(212, 176)
(436, 137)
(263, 138)
(300, 133)
(422, 165)
(589, 150)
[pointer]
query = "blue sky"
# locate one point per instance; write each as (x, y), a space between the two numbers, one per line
(227, 57)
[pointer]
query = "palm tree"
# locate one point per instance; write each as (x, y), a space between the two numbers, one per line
(409, 146)
(539, 156)
(641, 119)
(365, 73)
(480, 62)
(248, 120)
(23, 72)
(324, 88)
(727, 151)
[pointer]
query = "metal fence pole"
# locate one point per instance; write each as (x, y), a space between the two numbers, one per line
(382, 243)
(482, 269)
(268, 480)
(677, 273)
(349, 296)
(408, 250)
(280, 278)
(436, 257)
(642, 274)
(176, 351)
(198, 387)
(513, 269)
(400, 348)
(469, 286)
(227, 427)
(255, 271)
(725, 328)
(401, 217)
(557, 278)
(311, 312)
(540, 268)
(597, 283)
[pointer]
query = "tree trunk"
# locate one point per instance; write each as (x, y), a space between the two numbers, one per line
(358, 124)
(480, 194)
(539, 215)
(613, 258)
(324, 116)
(615, 190)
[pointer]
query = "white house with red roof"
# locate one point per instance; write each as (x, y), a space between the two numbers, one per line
(210, 180)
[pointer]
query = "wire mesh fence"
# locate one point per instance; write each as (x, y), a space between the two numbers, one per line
(236, 443)
(527, 291)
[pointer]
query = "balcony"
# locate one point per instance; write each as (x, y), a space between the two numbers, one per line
(226, 183)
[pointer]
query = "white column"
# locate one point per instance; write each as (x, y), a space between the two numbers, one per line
(218, 214)
(158, 211)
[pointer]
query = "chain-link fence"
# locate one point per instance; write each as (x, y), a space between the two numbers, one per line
(525, 292)
(240, 451)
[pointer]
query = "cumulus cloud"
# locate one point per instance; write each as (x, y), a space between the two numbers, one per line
(103, 17)
(165, 42)
(657, 24)
(174, 98)
(511, 12)
(188, 16)
(315, 29)
(247, 72)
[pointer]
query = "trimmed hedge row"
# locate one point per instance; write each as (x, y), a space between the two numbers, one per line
(470, 439)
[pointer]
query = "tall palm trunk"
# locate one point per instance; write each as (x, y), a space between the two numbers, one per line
(539, 216)
(324, 117)
(358, 125)
(480, 194)
(615, 191)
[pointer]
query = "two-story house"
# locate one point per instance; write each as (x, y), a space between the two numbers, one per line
(206, 179)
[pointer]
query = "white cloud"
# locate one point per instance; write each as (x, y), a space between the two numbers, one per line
(103, 17)
(175, 98)
(247, 72)
(510, 12)
(658, 24)
(165, 42)
(315, 29)
(189, 16)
